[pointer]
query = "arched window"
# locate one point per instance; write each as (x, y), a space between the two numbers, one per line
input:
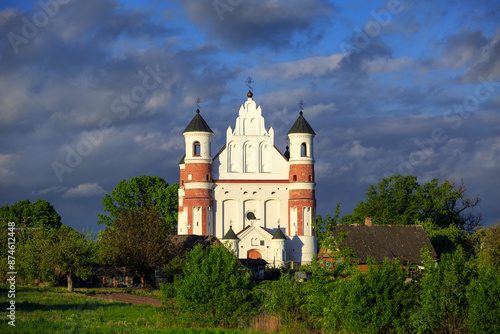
(295, 178)
(196, 149)
(303, 150)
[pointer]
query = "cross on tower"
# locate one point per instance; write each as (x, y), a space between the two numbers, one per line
(249, 82)
(301, 104)
(198, 101)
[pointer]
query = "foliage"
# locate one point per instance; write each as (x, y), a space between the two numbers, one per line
(142, 192)
(34, 266)
(483, 296)
(287, 299)
(71, 253)
(443, 303)
(324, 227)
(447, 239)
(137, 240)
(214, 284)
(27, 214)
(490, 246)
(378, 301)
(48, 253)
(401, 200)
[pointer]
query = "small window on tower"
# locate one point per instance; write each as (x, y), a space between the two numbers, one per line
(196, 148)
(295, 178)
(208, 178)
(310, 178)
(303, 150)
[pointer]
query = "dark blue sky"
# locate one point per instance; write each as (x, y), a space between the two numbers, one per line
(96, 91)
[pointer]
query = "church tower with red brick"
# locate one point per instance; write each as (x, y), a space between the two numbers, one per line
(196, 200)
(301, 200)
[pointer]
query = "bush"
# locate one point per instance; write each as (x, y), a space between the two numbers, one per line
(443, 303)
(483, 295)
(214, 285)
(287, 299)
(378, 301)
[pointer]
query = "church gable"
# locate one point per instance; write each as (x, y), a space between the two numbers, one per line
(250, 149)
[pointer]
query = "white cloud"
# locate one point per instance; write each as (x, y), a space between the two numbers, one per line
(7, 162)
(300, 68)
(84, 190)
(54, 189)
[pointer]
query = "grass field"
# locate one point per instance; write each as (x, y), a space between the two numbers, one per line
(54, 310)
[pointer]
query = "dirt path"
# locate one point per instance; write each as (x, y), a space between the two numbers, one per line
(128, 298)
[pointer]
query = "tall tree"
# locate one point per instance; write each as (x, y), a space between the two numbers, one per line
(401, 200)
(141, 191)
(27, 214)
(137, 240)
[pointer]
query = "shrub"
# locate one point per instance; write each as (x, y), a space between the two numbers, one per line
(378, 301)
(483, 295)
(215, 285)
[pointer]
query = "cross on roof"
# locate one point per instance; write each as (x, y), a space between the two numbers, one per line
(301, 104)
(249, 82)
(198, 101)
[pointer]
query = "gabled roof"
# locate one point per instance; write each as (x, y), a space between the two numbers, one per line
(198, 124)
(301, 126)
(403, 242)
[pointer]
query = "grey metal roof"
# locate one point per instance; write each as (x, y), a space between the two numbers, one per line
(403, 242)
(301, 126)
(230, 235)
(181, 162)
(198, 124)
(279, 235)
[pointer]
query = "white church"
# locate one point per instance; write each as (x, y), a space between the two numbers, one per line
(250, 195)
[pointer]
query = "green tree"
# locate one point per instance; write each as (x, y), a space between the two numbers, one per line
(490, 246)
(72, 254)
(142, 191)
(27, 214)
(378, 301)
(48, 253)
(214, 284)
(447, 239)
(483, 296)
(443, 302)
(324, 227)
(401, 200)
(287, 299)
(137, 240)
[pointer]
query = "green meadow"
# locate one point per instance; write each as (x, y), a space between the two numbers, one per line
(54, 310)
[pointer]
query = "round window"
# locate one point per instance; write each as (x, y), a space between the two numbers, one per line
(250, 215)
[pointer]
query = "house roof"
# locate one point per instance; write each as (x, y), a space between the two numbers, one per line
(403, 242)
(301, 126)
(181, 244)
(198, 124)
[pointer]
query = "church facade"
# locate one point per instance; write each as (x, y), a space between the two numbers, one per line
(258, 200)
